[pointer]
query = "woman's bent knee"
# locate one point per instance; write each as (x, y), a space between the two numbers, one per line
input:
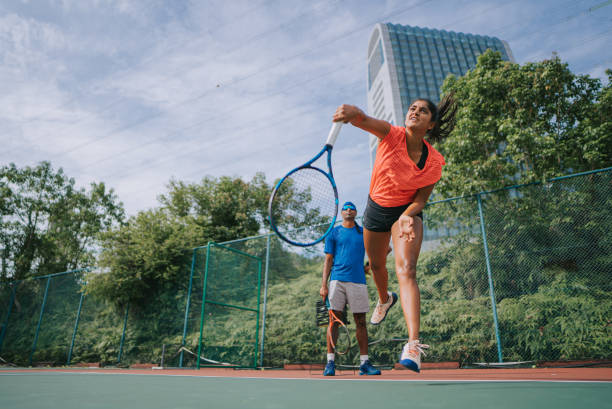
(407, 272)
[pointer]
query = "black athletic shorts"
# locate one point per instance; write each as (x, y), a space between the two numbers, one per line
(380, 219)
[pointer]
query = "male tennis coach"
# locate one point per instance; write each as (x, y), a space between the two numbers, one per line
(344, 253)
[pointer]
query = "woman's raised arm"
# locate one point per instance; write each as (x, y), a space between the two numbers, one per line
(354, 115)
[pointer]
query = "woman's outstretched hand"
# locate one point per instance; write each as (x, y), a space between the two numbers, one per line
(406, 227)
(348, 113)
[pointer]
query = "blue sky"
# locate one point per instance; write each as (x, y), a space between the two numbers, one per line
(134, 93)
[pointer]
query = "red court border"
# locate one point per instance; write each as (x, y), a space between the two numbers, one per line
(452, 375)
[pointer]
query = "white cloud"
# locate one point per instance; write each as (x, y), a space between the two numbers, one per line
(133, 93)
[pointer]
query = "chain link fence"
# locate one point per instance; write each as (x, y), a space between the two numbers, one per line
(48, 321)
(517, 274)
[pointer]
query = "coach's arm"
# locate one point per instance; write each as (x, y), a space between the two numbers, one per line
(329, 262)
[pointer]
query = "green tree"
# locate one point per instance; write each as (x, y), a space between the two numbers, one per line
(143, 256)
(47, 225)
(151, 252)
(519, 124)
(225, 208)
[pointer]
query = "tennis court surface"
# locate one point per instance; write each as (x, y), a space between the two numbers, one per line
(228, 388)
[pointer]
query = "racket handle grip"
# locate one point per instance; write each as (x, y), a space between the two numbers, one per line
(333, 133)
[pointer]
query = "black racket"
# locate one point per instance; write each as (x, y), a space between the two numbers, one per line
(303, 206)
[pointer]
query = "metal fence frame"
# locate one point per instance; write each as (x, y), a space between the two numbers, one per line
(261, 334)
(205, 300)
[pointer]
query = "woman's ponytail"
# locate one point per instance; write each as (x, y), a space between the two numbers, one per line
(444, 116)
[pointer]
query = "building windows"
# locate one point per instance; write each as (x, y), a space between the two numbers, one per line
(376, 61)
(424, 58)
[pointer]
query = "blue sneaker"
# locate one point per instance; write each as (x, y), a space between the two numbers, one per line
(367, 369)
(380, 311)
(330, 369)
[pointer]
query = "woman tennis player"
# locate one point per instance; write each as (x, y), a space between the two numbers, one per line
(405, 171)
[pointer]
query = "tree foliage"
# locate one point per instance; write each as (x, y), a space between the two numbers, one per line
(149, 252)
(225, 208)
(519, 124)
(48, 225)
(142, 257)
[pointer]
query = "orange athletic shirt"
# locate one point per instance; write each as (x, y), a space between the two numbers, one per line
(396, 178)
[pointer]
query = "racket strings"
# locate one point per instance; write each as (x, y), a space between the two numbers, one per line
(304, 205)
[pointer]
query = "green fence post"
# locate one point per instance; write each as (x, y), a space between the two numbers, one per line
(42, 311)
(203, 303)
(263, 323)
(491, 290)
(76, 326)
(8, 314)
(193, 259)
(127, 310)
(257, 322)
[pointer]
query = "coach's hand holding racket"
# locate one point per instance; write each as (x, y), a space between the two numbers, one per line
(323, 291)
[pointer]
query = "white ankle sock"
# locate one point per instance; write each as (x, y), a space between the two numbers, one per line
(362, 359)
(331, 357)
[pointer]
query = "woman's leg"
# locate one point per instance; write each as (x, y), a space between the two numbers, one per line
(376, 246)
(406, 256)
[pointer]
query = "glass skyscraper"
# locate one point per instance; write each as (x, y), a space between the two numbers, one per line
(406, 63)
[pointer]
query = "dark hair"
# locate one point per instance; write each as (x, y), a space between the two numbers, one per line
(443, 115)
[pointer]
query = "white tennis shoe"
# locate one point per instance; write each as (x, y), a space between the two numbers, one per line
(381, 309)
(411, 355)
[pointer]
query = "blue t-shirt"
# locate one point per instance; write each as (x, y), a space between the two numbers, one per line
(346, 245)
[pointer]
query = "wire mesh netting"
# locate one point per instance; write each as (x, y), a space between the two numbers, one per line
(6, 305)
(551, 259)
(159, 322)
(98, 334)
(521, 273)
(51, 322)
(22, 323)
(231, 312)
(58, 319)
(456, 317)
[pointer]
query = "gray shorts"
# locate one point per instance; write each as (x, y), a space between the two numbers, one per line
(343, 292)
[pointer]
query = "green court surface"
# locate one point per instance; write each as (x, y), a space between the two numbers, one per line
(81, 390)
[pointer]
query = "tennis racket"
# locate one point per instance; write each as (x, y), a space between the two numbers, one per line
(303, 206)
(342, 342)
(322, 314)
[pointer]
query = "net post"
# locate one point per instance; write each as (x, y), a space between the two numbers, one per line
(490, 278)
(76, 327)
(127, 311)
(193, 259)
(42, 312)
(203, 303)
(265, 301)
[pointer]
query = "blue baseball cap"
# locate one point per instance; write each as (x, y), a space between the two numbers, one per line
(349, 205)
